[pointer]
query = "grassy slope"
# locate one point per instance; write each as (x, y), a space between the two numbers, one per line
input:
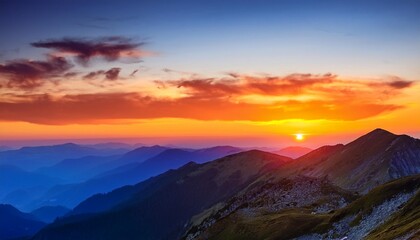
(295, 222)
(406, 221)
(282, 225)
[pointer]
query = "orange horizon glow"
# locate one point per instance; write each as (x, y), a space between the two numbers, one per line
(49, 102)
(199, 110)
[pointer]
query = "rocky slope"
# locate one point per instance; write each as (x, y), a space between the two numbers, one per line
(387, 212)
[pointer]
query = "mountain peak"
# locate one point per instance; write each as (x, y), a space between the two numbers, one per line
(380, 131)
(375, 135)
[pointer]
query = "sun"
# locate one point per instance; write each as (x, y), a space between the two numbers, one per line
(299, 136)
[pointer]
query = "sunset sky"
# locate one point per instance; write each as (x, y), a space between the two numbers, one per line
(247, 73)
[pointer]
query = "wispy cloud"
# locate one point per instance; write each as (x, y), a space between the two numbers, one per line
(293, 85)
(363, 102)
(111, 74)
(108, 48)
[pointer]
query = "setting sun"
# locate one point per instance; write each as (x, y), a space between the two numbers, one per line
(299, 136)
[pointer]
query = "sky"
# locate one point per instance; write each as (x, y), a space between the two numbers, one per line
(208, 72)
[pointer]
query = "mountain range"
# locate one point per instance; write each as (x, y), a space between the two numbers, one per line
(366, 189)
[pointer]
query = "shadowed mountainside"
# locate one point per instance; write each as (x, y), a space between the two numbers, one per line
(164, 212)
(15, 224)
(48, 214)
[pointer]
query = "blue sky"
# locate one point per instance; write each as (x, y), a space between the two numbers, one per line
(351, 38)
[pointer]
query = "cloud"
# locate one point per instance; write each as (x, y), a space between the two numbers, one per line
(233, 98)
(108, 48)
(325, 85)
(400, 84)
(111, 74)
(30, 74)
(246, 84)
(91, 108)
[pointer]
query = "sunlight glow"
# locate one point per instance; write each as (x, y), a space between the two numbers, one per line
(299, 136)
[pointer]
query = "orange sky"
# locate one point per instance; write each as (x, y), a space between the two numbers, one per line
(72, 94)
(322, 107)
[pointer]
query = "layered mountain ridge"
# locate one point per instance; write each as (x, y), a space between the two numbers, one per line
(366, 189)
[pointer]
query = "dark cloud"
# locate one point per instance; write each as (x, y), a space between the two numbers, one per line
(94, 74)
(134, 73)
(399, 84)
(111, 74)
(108, 48)
(29, 74)
(70, 74)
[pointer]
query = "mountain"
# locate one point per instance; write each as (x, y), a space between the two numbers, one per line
(366, 189)
(103, 202)
(283, 210)
(5, 148)
(141, 154)
(131, 173)
(15, 224)
(18, 186)
(293, 151)
(111, 145)
(169, 159)
(370, 160)
(31, 158)
(48, 214)
(81, 169)
(160, 210)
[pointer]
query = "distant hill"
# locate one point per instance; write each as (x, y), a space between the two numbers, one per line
(15, 224)
(18, 186)
(131, 173)
(111, 145)
(31, 158)
(48, 214)
(80, 169)
(5, 148)
(141, 154)
(293, 151)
